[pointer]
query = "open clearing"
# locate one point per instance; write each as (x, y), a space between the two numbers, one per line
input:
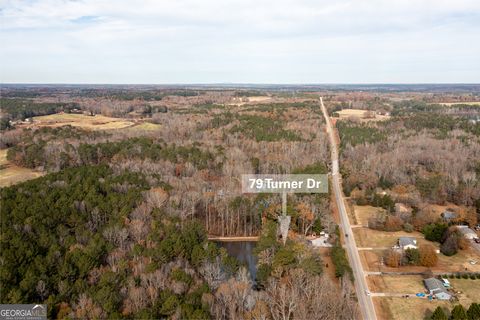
(459, 262)
(408, 309)
(97, 122)
(239, 101)
(11, 174)
(471, 103)
(409, 284)
(371, 260)
(357, 113)
(145, 126)
(469, 290)
(367, 115)
(362, 213)
(366, 237)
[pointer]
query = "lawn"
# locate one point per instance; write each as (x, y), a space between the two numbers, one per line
(371, 259)
(97, 122)
(469, 290)
(407, 309)
(362, 213)
(366, 237)
(408, 284)
(459, 262)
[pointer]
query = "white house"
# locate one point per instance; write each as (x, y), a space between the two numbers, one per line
(407, 243)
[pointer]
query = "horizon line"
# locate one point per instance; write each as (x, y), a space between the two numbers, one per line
(239, 83)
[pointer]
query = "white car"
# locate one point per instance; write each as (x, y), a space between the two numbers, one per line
(367, 292)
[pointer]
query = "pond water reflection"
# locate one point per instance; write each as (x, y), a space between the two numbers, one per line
(243, 251)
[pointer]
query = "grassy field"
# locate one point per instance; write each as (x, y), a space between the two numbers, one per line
(11, 174)
(362, 213)
(366, 237)
(469, 290)
(360, 114)
(459, 262)
(97, 122)
(472, 103)
(346, 113)
(371, 260)
(409, 284)
(145, 126)
(407, 309)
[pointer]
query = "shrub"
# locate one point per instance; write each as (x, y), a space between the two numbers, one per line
(412, 256)
(434, 231)
(428, 256)
(393, 258)
(450, 246)
(408, 227)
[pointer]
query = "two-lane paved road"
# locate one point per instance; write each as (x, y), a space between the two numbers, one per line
(364, 299)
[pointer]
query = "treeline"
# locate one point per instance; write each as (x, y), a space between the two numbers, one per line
(41, 148)
(458, 312)
(339, 258)
(126, 94)
(20, 109)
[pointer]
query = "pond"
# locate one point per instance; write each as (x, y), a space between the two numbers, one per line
(243, 251)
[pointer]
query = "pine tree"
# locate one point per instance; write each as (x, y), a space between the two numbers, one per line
(439, 314)
(458, 313)
(473, 312)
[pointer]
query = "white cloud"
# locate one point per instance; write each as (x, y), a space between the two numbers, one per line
(150, 41)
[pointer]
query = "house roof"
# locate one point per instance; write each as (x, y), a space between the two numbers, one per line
(435, 286)
(449, 215)
(405, 241)
(466, 230)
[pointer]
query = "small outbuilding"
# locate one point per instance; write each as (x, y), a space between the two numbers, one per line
(449, 216)
(321, 241)
(436, 289)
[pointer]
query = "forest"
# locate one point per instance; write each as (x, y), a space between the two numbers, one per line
(118, 225)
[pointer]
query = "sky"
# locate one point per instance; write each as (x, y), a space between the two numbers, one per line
(240, 41)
